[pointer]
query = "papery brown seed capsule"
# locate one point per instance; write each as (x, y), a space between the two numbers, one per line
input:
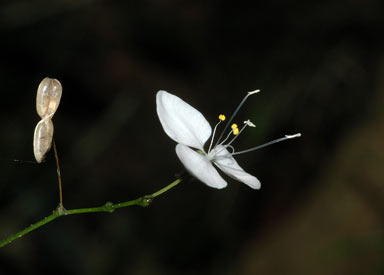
(48, 97)
(42, 140)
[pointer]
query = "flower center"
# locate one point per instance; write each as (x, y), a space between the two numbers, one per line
(215, 152)
(235, 130)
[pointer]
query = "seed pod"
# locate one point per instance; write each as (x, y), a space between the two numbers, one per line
(48, 97)
(42, 140)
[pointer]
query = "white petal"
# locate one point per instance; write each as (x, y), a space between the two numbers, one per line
(200, 167)
(228, 165)
(182, 123)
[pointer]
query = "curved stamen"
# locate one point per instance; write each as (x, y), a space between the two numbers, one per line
(221, 118)
(246, 123)
(268, 143)
(229, 134)
(231, 147)
(213, 136)
(235, 113)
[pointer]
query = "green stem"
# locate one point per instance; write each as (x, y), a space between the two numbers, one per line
(166, 188)
(108, 207)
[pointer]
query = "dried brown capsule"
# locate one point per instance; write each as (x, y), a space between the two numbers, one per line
(42, 140)
(48, 97)
(47, 101)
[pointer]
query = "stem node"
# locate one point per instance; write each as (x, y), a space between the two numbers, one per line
(109, 206)
(145, 201)
(60, 210)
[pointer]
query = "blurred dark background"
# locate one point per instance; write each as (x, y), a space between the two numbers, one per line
(320, 66)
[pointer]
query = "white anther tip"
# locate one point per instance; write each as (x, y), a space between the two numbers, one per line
(293, 136)
(253, 92)
(249, 123)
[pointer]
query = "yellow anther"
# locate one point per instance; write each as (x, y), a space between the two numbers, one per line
(235, 130)
(222, 117)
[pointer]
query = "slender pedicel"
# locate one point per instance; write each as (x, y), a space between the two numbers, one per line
(58, 175)
(234, 131)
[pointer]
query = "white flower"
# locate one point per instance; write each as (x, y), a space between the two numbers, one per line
(188, 127)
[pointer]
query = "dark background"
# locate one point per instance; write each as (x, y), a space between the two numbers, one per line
(320, 66)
